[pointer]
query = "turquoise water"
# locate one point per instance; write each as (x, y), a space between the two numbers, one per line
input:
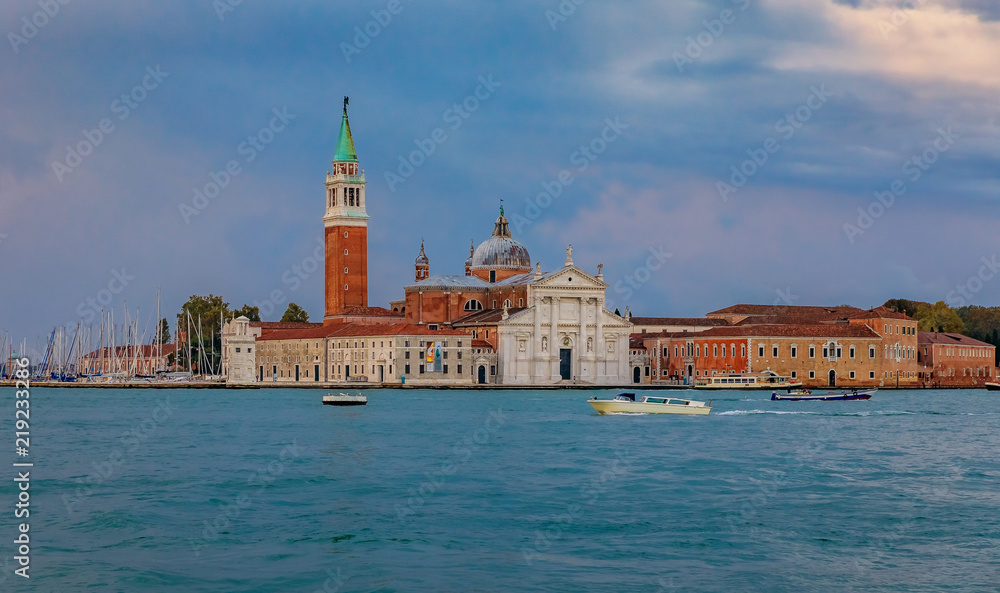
(505, 491)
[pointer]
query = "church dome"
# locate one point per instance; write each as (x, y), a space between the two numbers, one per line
(500, 251)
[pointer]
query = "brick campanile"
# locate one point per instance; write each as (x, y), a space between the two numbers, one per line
(346, 223)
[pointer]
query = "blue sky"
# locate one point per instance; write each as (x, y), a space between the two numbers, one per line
(834, 100)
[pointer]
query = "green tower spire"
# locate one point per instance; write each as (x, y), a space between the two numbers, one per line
(345, 143)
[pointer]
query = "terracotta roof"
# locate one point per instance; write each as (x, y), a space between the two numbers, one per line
(144, 351)
(881, 313)
(635, 342)
(949, 339)
(810, 330)
(482, 344)
(284, 324)
(805, 330)
(486, 316)
(793, 311)
(358, 329)
(370, 312)
(697, 321)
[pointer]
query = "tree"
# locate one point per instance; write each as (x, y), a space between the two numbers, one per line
(209, 310)
(904, 306)
(164, 337)
(982, 323)
(251, 313)
(295, 313)
(938, 317)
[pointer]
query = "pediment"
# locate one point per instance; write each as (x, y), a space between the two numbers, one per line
(569, 277)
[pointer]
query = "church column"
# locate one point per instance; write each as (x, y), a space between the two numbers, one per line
(536, 339)
(581, 349)
(600, 351)
(554, 337)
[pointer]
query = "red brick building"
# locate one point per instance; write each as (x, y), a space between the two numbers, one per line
(954, 360)
(820, 346)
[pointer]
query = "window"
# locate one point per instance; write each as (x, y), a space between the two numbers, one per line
(795, 351)
(743, 350)
(494, 303)
(675, 350)
(794, 374)
(444, 369)
(406, 355)
(406, 369)
(237, 349)
(345, 270)
(812, 374)
(493, 277)
(520, 302)
(473, 305)
(852, 351)
(698, 350)
(506, 303)
(760, 351)
(812, 352)
(871, 353)
(345, 234)
(493, 370)
(871, 374)
(715, 350)
(852, 374)
(487, 334)
(774, 351)
(826, 352)
(460, 366)
(345, 252)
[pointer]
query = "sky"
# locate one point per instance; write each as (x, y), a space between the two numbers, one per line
(708, 153)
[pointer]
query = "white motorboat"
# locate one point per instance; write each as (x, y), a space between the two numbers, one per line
(344, 399)
(763, 380)
(650, 404)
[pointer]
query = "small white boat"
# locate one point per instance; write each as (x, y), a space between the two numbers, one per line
(650, 404)
(763, 380)
(344, 399)
(992, 386)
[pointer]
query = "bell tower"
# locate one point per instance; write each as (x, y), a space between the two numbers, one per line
(346, 223)
(422, 265)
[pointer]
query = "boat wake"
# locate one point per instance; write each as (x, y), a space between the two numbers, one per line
(747, 412)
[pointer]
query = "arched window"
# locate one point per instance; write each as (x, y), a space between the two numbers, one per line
(506, 303)
(473, 305)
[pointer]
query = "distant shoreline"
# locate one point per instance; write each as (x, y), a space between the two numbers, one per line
(363, 386)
